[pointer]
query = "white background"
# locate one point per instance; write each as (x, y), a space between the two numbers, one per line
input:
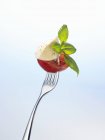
(75, 110)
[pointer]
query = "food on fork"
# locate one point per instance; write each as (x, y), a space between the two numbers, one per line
(55, 56)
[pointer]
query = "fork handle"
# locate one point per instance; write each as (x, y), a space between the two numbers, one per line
(28, 129)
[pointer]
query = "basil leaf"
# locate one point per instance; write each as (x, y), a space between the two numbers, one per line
(68, 48)
(63, 33)
(71, 63)
(56, 47)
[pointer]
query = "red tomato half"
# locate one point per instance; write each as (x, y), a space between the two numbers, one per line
(53, 65)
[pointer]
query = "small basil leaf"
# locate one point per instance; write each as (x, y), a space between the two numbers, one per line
(56, 47)
(68, 48)
(63, 33)
(71, 63)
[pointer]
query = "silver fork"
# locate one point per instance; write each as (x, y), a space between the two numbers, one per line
(49, 84)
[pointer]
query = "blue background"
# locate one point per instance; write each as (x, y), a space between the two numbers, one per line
(75, 110)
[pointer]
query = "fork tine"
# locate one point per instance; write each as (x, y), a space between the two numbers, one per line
(56, 78)
(50, 78)
(53, 79)
(46, 79)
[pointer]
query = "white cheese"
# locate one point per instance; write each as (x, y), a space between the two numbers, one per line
(46, 52)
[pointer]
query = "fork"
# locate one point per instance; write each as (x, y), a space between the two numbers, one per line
(49, 84)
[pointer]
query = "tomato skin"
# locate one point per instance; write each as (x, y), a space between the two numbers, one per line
(53, 65)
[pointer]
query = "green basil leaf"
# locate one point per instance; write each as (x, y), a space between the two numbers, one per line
(63, 33)
(68, 48)
(57, 47)
(71, 63)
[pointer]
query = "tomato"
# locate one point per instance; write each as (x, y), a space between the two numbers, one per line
(53, 65)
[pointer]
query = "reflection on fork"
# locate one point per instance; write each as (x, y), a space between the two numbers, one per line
(49, 84)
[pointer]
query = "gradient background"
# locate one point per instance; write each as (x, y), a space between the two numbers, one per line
(75, 110)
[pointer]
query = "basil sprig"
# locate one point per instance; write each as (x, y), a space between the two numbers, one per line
(63, 33)
(68, 48)
(71, 63)
(65, 48)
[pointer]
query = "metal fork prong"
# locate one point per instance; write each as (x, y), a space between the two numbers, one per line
(50, 78)
(46, 79)
(54, 77)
